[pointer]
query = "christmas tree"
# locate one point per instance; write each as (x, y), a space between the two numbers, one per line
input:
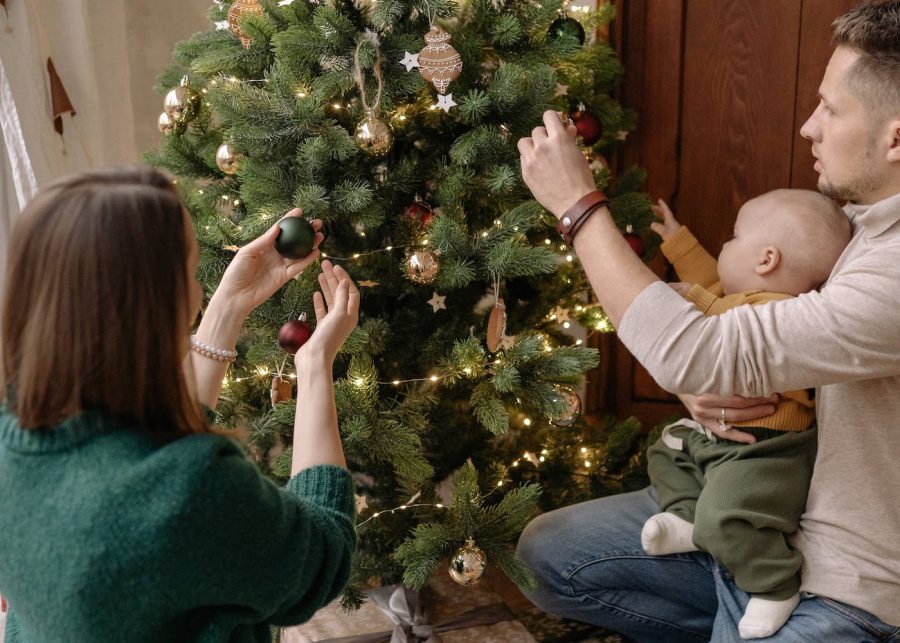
(396, 122)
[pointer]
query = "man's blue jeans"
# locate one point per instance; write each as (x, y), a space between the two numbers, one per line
(591, 567)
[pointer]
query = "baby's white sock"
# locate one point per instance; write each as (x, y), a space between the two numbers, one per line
(764, 617)
(666, 533)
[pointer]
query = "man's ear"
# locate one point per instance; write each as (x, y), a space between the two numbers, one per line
(768, 261)
(893, 154)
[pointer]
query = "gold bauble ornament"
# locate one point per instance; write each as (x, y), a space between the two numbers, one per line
(237, 12)
(166, 125)
(373, 135)
(181, 103)
(227, 159)
(572, 410)
(439, 62)
(421, 266)
(467, 565)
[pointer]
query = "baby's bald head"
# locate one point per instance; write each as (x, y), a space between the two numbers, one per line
(809, 230)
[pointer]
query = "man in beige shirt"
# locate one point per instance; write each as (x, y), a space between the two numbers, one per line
(843, 340)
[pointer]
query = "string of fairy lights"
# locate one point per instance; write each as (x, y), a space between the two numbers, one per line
(535, 459)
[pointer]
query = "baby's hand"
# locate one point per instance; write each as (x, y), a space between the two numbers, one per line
(681, 287)
(669, 225)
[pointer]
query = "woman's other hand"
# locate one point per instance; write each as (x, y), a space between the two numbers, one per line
(334, 323)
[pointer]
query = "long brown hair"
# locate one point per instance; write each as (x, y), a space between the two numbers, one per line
(95, 304)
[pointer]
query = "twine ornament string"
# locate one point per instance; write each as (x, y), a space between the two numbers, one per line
(372, 37)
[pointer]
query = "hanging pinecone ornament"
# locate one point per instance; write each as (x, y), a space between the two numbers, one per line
(421, 266)
(181, 104)
(227, 159)
(565, 25)
(294, 334)
(236, 13)
(573, 407)
(439, 62)
(467, 564)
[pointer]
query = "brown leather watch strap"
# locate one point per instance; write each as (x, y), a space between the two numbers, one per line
(570, 222)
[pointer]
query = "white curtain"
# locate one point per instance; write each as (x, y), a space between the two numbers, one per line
(107, 54)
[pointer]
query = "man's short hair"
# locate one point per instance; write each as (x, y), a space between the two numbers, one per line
(872, 29)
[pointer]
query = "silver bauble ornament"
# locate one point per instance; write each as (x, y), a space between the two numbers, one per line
(421, 266)
(572, 410)
(181, 104)
(373, 135)
(467, 565)
(227, 159)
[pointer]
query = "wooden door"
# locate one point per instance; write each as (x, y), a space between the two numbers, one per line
(722, 88)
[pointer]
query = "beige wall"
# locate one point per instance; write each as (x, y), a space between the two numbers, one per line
(161, 23)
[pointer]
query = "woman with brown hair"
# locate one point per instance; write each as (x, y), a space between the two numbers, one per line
(123, 517)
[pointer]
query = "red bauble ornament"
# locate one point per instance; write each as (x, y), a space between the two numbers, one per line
(294, 334)
(588, 126)
(418, 212)
(634, 240)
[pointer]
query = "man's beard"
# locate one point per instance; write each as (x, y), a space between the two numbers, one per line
(853, 192)
(857, 189)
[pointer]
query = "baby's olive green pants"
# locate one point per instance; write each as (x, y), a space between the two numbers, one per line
(744, 500)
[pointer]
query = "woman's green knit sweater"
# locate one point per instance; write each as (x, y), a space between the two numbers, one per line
(107, 535)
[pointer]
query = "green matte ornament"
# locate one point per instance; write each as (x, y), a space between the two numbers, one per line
(296, 239)
(566, 26)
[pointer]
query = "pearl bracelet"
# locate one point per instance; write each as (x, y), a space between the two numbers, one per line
(218, 354)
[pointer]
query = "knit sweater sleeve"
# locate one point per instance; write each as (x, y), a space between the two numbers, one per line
(692, 263)
(275, 555)
(708, 304)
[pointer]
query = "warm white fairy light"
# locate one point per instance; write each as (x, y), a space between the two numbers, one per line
(527, 421)
(400, 508)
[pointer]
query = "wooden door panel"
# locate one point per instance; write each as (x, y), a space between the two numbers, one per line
(722, 88)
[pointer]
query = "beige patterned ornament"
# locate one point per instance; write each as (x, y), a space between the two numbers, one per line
(496, 326)
(237, 12)
(439, 62)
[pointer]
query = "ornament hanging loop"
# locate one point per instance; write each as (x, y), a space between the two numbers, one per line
(372, 37)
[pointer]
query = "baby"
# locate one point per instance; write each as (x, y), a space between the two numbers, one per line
(739, 502)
